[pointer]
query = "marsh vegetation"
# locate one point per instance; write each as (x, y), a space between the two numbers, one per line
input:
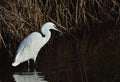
(88, 51)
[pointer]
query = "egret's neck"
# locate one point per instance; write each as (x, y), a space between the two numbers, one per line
(46, 36)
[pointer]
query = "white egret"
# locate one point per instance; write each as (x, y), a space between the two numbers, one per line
(30, 46)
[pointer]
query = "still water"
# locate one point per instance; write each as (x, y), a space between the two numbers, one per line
(22, 77)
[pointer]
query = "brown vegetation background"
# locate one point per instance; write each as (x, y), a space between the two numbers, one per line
(88, 51)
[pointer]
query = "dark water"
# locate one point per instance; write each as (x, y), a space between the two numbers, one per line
(70, 62)
(22, 77)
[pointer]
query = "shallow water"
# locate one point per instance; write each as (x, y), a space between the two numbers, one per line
(22, 77)
(28, 77)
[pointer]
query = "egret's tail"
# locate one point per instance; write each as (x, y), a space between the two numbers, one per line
(15, 64)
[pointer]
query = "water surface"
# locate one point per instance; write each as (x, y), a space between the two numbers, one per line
(22, 77)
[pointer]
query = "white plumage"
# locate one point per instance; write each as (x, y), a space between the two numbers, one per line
(30, 46)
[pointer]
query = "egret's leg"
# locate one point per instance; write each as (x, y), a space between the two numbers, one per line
(34, 64)
(28, 65)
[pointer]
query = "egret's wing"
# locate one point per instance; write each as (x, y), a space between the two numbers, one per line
(24, 44)
(29, 42)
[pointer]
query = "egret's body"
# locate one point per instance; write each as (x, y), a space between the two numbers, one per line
(31, 45)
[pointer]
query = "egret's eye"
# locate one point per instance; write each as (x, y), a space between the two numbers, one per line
(54, 26)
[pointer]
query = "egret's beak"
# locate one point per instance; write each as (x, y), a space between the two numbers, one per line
(58, 30)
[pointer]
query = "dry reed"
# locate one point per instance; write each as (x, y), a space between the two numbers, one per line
(19, 18)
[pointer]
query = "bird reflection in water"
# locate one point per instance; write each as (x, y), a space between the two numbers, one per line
(28, 77)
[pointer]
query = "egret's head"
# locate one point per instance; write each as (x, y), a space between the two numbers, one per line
(48, 26)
